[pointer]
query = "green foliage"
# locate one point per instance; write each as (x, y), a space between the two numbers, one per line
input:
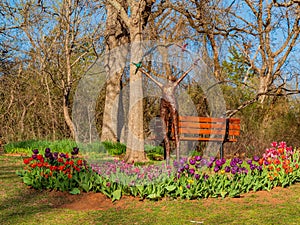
(29, 145)
(155, 153)
(236, 67)
(114, 148)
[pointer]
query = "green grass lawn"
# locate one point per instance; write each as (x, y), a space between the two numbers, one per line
(21, 205)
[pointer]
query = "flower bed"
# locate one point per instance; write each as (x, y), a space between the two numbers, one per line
(190, 178)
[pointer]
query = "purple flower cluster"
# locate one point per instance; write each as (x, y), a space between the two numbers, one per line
(129, 174)
(236, 167)
(55, 156)
(75, 151)
(218, 164)
(191, 166)
(48, 154)
(254, 166)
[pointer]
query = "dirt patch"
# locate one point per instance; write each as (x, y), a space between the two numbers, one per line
(90, 201)
(98, 201)
(276, 196)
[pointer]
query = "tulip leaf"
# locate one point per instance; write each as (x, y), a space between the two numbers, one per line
(171, 188)
(74, 191)
(116, 195)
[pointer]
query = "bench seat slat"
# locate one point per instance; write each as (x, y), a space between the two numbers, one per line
(205, 139)
(208, 131)
(208, 125)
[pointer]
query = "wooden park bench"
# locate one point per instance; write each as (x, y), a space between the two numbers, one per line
(207, 129)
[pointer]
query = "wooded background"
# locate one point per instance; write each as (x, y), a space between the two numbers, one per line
(251, 46)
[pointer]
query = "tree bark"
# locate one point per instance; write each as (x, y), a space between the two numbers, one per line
(135, 22)
(135, 140)
(67, 117)
(116, 36)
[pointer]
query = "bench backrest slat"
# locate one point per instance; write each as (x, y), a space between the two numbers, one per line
(192, 125)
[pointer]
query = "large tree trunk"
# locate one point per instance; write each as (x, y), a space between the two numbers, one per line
(110, 118)
(135, 140)
(116, 35)
(135, 22)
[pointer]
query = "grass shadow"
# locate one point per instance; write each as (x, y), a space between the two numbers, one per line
(17, 201)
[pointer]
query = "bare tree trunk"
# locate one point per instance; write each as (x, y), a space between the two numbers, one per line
(69, 38)
(135, 23)
(109, 126)
(67, 117)
(51, 112)
(263, 87)
(135, 141)
(116, 36)
(24, 114)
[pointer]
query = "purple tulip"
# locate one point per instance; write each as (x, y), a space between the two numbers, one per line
(187, 166)
(227, 169)
(75, 151)
(216, 169)
(34, 156)
(259, 168)
(48, 155)
(256, 158)
(234, 170)
(233, 163)
(47, 150)
(198, 158)
(35, 151)
(197, 176)
(220, 162)
(192, 161)
(252, 167)
(192, 171)
(188, 186)
(210, 164)
(249, 161)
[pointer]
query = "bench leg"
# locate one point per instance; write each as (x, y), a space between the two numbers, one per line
(221, 151)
